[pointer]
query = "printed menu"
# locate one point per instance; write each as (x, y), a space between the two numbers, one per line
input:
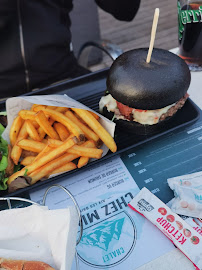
(113, 234)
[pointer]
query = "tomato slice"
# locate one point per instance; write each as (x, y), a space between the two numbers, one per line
(124, 110)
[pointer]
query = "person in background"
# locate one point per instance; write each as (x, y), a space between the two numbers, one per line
(35, 41)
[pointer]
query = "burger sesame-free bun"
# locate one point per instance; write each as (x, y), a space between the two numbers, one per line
(141, 85)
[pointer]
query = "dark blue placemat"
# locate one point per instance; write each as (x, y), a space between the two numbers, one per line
(174, 154)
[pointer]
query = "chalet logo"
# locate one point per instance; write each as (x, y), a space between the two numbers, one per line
(108, 242)
(102, 235)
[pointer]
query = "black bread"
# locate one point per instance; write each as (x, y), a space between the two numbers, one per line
(149, 86)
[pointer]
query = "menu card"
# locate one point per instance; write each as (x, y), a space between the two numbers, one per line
(113, 234)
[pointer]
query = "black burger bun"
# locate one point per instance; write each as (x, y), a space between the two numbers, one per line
(141, 85)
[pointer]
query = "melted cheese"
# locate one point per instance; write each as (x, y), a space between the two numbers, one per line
(109, 102)
(147, 117)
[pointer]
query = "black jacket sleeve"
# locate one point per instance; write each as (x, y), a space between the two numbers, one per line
(124, 10)
(7, 9)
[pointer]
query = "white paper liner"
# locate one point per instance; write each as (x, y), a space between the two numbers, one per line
(36, 233)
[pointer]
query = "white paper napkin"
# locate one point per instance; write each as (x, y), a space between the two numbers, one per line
(36, 233)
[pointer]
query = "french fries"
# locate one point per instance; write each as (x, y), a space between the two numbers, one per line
(33, 106)
(41, 132)
(15, 128)
(61, 118)
(84, 160)
(90, 120)
(85, 151)
(25, 114)
(39, 108)
(26, 153)
(62, 131)
(48, 168)
(35, 124)
(54, 143)
(51, 107)
(47, 140)
(46, 149)
(47, 157)
(27, 160)
(33, 146)
(31, 130)
(81, 150)
(45, 125)
(16, 150)
(95, 115)
(61, 109)
(87, 131)
(64, 168)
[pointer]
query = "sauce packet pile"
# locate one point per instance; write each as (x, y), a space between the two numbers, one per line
(188, 194)
(195, 223)
(183, 236)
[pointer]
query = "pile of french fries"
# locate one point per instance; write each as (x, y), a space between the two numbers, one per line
(47, 140)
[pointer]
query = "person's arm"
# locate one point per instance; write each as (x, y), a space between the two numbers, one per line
(124, 10)
(7, 10)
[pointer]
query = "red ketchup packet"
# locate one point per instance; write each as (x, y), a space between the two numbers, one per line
(185, 238)
(196, 224)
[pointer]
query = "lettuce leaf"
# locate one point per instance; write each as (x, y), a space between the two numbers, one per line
(17, 168)
(3, 161)
(3, 113)
(3, 185)
(1, 128)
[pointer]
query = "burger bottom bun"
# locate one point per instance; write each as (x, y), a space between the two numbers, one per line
(139, 129)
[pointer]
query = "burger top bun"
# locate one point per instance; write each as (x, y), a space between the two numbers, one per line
(141, 85)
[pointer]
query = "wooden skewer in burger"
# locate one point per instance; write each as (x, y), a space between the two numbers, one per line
(145, 88)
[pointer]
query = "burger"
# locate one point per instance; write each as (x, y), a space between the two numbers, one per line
(141, 97)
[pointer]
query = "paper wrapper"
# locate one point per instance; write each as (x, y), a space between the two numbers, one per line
(14, 105)
(188, 194)
(36, 233)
